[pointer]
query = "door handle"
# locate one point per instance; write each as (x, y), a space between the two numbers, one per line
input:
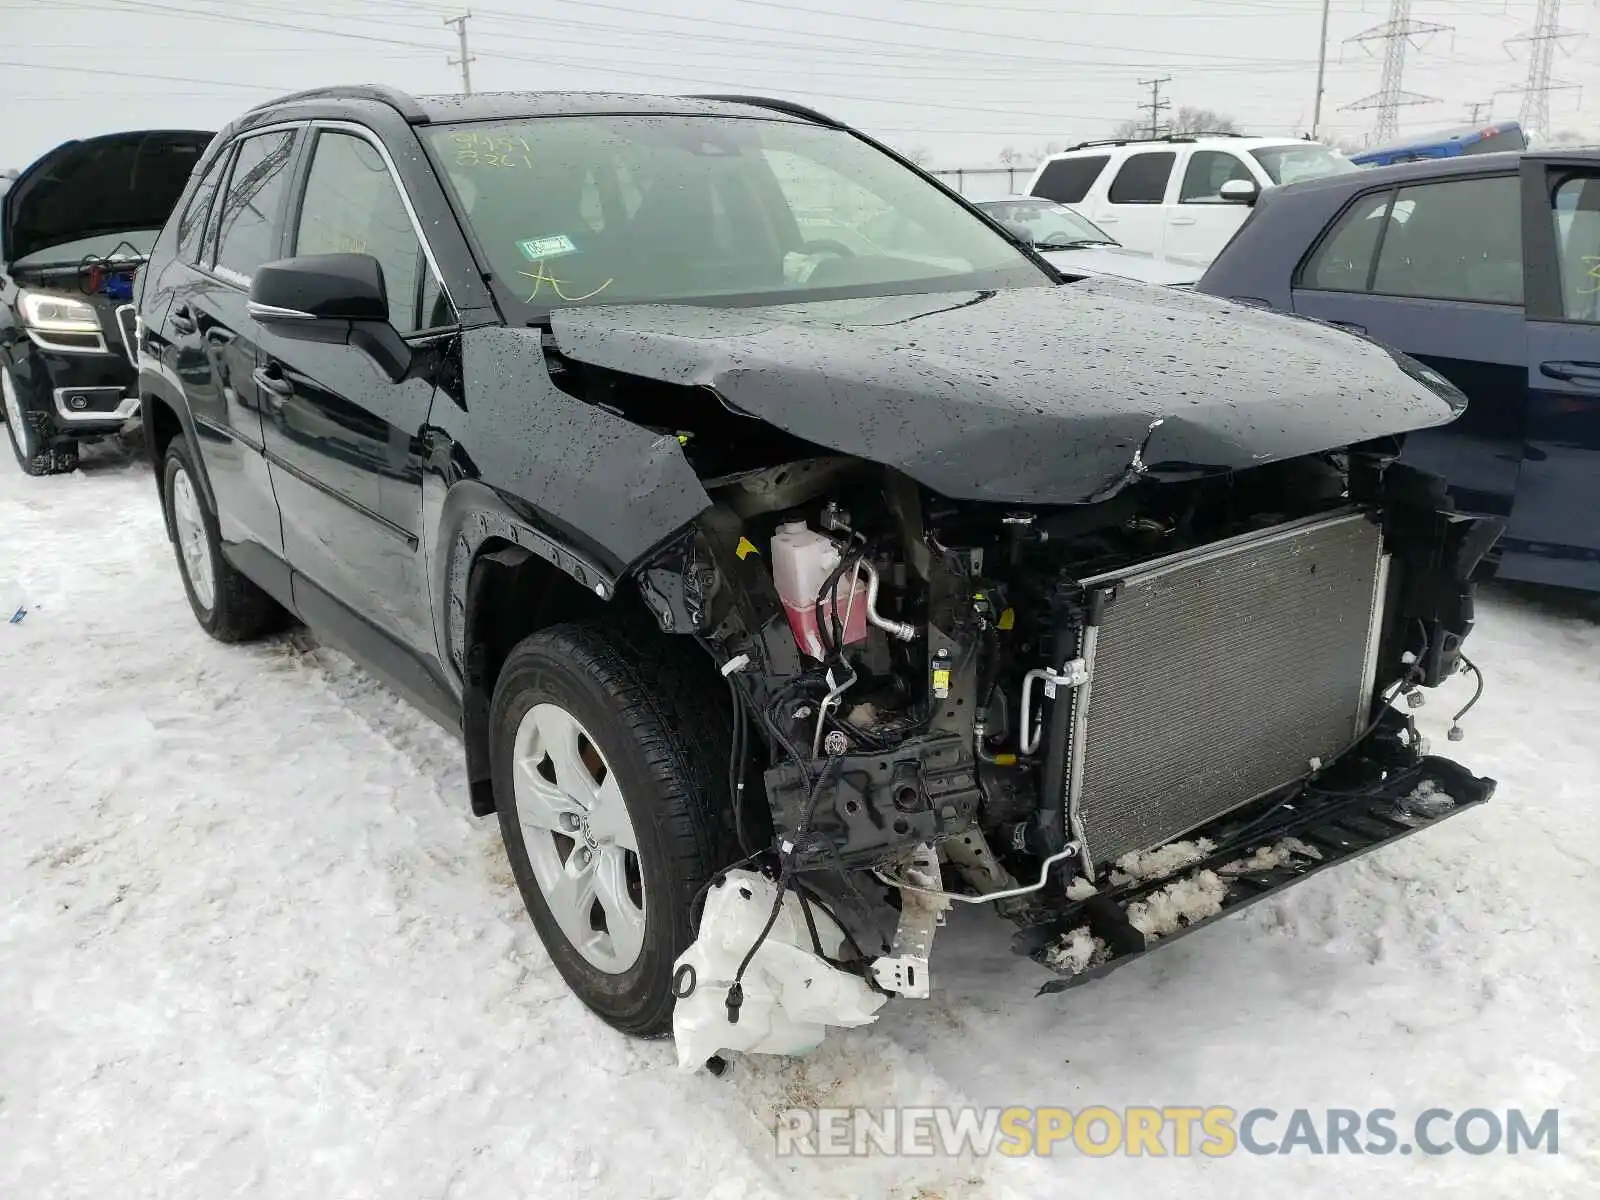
(1182, 221)
(1106, 220)
(271, 381)
(1572, 372)
(182, 321)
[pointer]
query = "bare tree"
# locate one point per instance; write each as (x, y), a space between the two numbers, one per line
(920, 155)
(1186, 119)
(1010, 156)
(1201, 120)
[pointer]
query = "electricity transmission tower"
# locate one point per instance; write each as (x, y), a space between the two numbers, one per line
(1546, 36)
(1157, 104)
(1397, 33)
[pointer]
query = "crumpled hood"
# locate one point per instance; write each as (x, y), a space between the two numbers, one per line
(112, 184)
(1124, 263)
(1047, 395)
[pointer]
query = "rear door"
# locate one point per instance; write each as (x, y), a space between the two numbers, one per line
(1201, 222)
(1434, 268)
(344, 444)
(1134, 209)
(231, 227)
(1554, 536)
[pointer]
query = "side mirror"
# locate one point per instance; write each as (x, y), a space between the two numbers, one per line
(337, 298)
(319, 287)
(1240, 191)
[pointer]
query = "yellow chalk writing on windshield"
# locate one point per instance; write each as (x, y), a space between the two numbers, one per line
(541, 277)
(492, 150)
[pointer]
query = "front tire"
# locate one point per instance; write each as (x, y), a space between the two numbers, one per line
(609, 754)
(33, 438)
(226, 603)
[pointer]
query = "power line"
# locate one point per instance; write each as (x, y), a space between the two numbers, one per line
(1157, 104)
(1397, 33)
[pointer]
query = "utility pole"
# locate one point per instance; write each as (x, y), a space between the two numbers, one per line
(1157, 104)
(466, 59)
(1397, 33)
(1478, 106)
(1546, 36)
(1322, 69)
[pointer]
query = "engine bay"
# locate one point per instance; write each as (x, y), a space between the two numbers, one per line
(911, 680)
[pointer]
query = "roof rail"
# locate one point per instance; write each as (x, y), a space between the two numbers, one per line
(1160, 137)
(783, 106)
(401, 102)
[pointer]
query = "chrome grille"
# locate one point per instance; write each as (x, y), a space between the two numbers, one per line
(1218, 675)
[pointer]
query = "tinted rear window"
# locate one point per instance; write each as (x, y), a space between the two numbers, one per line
(1068, 180)
(1143, 178)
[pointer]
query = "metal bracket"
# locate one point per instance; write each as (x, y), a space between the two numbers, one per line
(1074, 673)
(922, 907)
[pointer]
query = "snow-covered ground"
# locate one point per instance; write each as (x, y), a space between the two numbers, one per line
(252, 943)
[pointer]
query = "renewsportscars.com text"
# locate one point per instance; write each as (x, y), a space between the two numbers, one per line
(1176, 1131)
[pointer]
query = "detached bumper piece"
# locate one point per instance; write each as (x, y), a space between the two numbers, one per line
(1256, 854)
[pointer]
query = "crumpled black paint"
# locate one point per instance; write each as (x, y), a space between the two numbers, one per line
(1034, 395)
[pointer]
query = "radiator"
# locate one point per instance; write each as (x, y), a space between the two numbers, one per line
(1218, 675)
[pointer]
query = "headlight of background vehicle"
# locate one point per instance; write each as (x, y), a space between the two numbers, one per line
(51, 312)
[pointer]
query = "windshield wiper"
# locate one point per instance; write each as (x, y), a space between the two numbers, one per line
(1076, 244)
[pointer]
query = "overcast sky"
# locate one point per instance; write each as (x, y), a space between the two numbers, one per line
(960, 79)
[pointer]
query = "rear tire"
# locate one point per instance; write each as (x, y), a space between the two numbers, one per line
(226, 603)
(33, 437)
(647, 710)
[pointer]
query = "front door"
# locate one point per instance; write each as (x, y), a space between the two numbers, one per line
(344, 442)
(1201, 222)
(1435, 269)
(1554, 535)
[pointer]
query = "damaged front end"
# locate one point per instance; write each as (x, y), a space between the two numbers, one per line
(961, 703)
(1158, 693)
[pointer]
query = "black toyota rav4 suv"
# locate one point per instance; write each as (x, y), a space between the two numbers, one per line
(786, 588)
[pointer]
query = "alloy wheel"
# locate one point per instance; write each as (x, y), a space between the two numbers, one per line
(579, 838)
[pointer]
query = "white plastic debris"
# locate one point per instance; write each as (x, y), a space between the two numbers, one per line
(791, 995)
(1160, 862)
(1427, 799)
(1075, 952)
(1080, 888)
(1267, 858)
(1186, 902)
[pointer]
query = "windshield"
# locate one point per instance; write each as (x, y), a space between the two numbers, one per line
(617, 209)
(1046, 225)
(1301, 160)
(135, 244)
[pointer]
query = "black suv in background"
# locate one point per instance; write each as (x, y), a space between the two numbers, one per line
(74, 229)
(736, 546)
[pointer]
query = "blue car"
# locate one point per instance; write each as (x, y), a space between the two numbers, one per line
(1487, 269)
(1447, 143)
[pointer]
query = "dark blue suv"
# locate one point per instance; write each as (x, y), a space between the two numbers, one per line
(1487, 269)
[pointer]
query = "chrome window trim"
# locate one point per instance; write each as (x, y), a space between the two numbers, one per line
(376, 143)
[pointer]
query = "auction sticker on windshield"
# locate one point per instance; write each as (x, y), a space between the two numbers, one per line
(533, 249)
